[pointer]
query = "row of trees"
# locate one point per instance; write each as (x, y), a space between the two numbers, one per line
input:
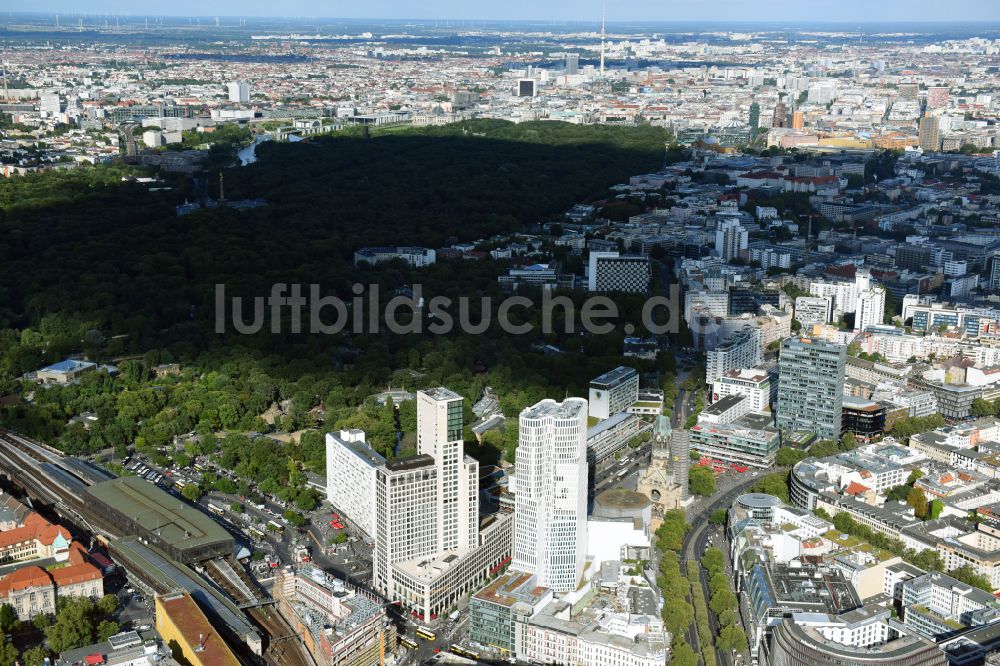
(723, 602)
(981, 408)
(678, 612)
(705, 636)
(787, 456)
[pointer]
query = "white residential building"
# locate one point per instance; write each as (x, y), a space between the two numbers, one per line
(238, 91)
(418, 257)
(870, 309)
(731, 239)
(550, 533)
(754, 383)
(744, 349)
(846, 293)
(814, 310)
(350, 477)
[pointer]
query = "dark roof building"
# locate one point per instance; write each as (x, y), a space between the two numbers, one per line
(136, 507)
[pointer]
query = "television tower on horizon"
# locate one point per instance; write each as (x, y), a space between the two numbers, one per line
(603, 13)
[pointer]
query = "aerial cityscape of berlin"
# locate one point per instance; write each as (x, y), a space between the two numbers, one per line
(541, 333)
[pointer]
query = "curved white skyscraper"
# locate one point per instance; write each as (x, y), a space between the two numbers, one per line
(550, 516)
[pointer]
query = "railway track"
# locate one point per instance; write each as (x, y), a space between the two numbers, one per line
(46, 476)
(284, 648)
(36, 450)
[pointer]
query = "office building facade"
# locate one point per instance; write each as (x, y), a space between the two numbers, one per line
(351, 467)
(238, 91)
(406, 511)
(731, 239)
(742, 442)
(440, 434)
(613, 392)
(550, 533)
(871, 308)
(811, 386)
(929, 134)
(610, 272)
(430, 546)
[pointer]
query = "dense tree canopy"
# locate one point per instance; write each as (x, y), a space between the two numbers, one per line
(94, 264)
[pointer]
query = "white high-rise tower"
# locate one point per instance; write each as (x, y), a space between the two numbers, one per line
(550, 516)
(440, 435)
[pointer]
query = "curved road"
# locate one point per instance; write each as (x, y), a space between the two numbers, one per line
(694, 544)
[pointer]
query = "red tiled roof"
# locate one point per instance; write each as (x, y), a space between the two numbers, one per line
(75, 574)
(856, 489)
(23, 578)
(34, 528)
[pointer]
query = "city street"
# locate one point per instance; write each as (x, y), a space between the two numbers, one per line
(729, 487)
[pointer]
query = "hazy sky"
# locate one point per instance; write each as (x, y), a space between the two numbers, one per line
(852, 11)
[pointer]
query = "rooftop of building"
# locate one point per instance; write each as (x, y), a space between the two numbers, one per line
(354, 609)
(621, 498)
(120, 648)
(953, 533)
(410, 463)
(613, 378)
(609, 423)
(511, 588)
(68, 365)
(817, 343)
(811, 589)
(897, 515)
(753, 425)
(173, 521)
(567, 409)
(592, 620)
(723, 405)
(359, 448)
(942, 580)
(891, 652)
(441, 393)
(756, 375)
(758, 501)
(183, 612)
(860, 404)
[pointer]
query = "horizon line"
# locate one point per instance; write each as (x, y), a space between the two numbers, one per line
(756, 21)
